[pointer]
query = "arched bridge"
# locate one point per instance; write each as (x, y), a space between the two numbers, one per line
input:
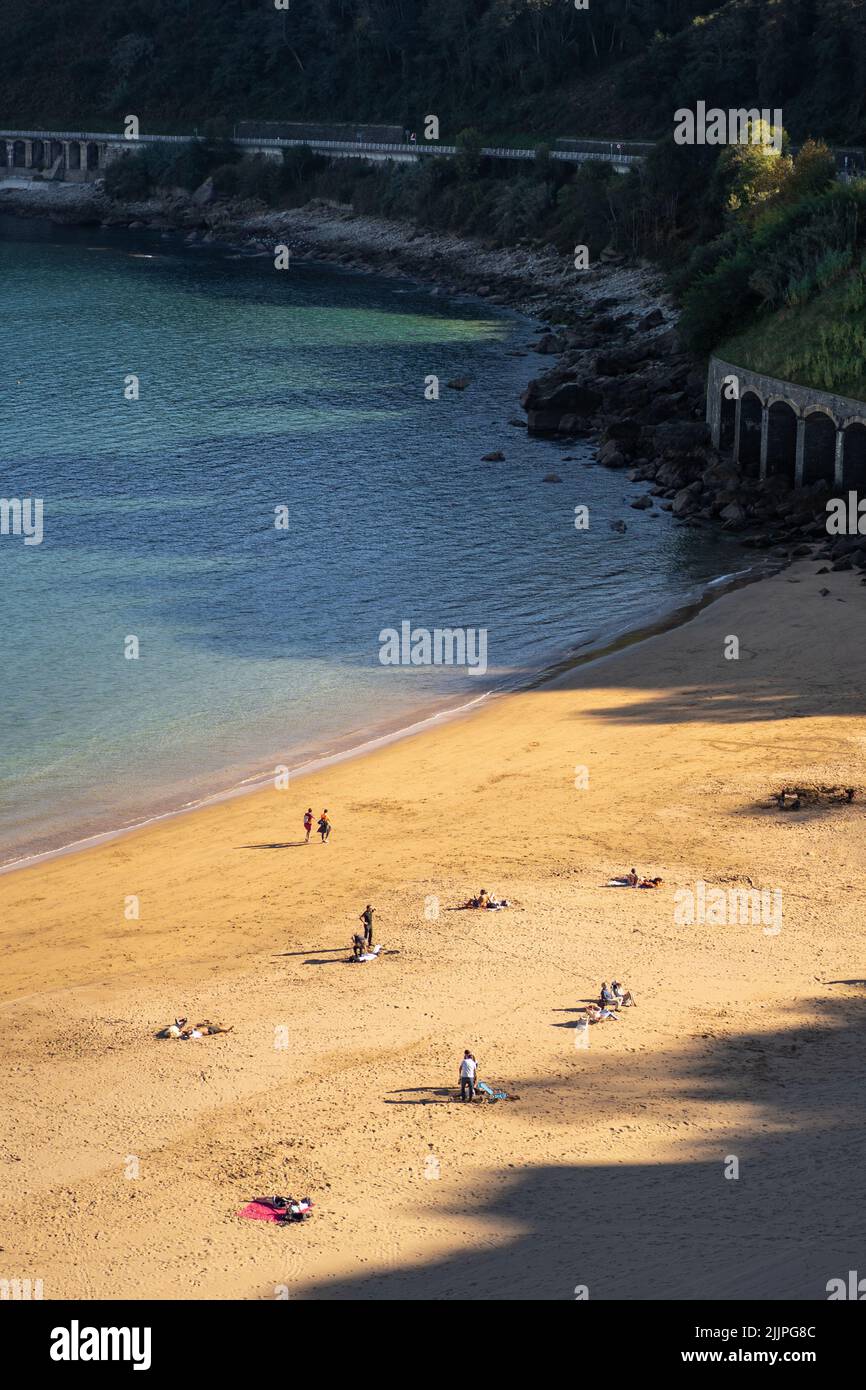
(772, 427)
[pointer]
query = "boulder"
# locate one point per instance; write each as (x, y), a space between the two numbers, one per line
(550, 344)
(681, 438)
(734, 514)
(458, 383)
(642, 504)
(653, 319)
(551, 478)
(625, 432)
(204, 194)
(686, 500)
(495, 456)
(554, 408)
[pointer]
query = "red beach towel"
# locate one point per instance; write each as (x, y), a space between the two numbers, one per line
(260, 1211)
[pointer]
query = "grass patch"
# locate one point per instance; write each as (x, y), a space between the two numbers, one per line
(821, 344)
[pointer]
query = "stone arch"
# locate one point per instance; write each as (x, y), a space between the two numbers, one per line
(56, 151)
(19, 154)
(727, 421)
(4, 158)
(749, 452)
(37, 154)
(74, 157)
(854, 456)
(782, 441)
(819, 450)
(91, 155)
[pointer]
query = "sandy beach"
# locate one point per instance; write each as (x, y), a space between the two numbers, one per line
(125, 1159)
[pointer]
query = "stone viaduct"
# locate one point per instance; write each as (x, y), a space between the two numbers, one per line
(80, 156)
(772, 427)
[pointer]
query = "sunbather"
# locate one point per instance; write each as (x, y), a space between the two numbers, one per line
(629, 880)
(624, 997)
(596, 1014)
(651, 883)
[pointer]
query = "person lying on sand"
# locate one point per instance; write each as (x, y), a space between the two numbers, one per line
(484, 900)
(596, 1014)
(181, 1028)
(629, 880)
(651, 883)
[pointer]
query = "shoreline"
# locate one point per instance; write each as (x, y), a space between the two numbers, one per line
(596, 648)
(336, 237)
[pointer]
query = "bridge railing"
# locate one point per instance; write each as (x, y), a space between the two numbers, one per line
(346, 146)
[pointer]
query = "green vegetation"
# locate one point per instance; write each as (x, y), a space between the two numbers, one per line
(821, 343)
(537, 67)
(744, 234)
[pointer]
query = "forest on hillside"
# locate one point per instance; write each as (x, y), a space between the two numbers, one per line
(539, 67)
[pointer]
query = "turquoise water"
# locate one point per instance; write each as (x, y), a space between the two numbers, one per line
(259, 646)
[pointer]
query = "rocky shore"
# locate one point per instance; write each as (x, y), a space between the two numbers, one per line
(618, 372)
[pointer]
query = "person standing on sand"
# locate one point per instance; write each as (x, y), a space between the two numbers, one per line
(468, 1073)
(367, 919)
(308, 823)
(324, 826)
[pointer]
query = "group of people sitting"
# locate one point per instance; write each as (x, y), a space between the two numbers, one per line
(484, 900)
(633, 880)
(182, 1028)
(613, 997)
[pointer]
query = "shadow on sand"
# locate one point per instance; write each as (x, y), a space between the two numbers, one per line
(791, 1220)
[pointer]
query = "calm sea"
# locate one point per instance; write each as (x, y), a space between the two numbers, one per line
(269, 396)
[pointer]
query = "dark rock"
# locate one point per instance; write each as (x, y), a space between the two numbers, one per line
(458, 383)
(553, 408)
(550, 344)
(733, 514)
(551, 478)
(653, 319)
(681, 438)
(642, 504)
(204, 194)
(495, 456)
(686, 500)
(618, 526)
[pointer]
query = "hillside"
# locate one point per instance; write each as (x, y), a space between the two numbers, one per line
(821, 343)
(534, 66)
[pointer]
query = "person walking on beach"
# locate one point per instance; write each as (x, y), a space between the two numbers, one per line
(367, 919)
(308, 823)
(324, 826)
(468, 1073)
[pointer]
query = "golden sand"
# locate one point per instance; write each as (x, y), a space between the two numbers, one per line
(125, 1159)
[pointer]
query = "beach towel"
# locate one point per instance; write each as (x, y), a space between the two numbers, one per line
(619, 883)
(490, 1094)
(368, 955)
(262, 1209)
